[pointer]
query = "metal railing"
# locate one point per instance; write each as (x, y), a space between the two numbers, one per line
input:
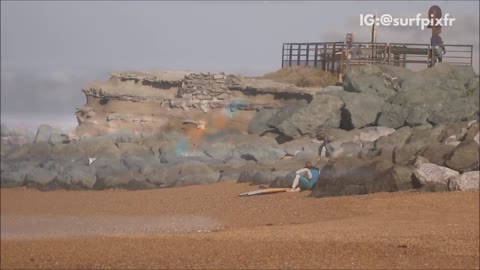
(318, 55)
(335, 57)
(459, 54)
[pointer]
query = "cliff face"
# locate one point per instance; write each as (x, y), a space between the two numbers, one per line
(159, 101)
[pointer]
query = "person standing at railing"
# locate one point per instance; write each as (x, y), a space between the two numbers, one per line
(437, 44)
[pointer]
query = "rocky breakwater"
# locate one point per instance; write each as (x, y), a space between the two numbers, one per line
(387, 129)
(12, 138)
(428, 144)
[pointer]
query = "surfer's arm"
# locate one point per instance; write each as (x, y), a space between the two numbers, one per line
(304, 171)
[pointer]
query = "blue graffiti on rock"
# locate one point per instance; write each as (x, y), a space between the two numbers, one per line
(181, 148)
(234, 106)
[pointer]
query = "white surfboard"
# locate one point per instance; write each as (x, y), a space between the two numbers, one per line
(264, 191)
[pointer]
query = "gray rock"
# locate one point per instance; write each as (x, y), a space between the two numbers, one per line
(417, 116)
(440, 94)
(283, 181)
(55, 166)
(473, 90)
(471, 133)
(248, 147)
(449, 72)
(457, 130)
(120, 136)
(258, 153)
(40, 177)
(4, 166)
(176, 149)
(362, 109)
(437, 153)
(393, 116)
(11, 179)
(347, 149)
(368, 79)
(432, 188)
(231, 169)
(351, 176)
(465, 181)
(267, 177)
(293, 147)
(261, 175)
(111, 173)
(429, 173)
(229, 175)
(458, 109)
(58, 138)
(195, 173)
(84, 149)
(219, 150)
(371, 134)
(322, 111)
(44, 132)
(286, 111)
(419, 161)
(138, 182)
(141, 164)
(35, 151)
(162, 176)
(465, 157)
(306, 155)
(473, 84)
(77, 177)
(258, 124)
(338, 135)
(369, 151)
(231, 163)
(289, 164)
(401, 178)
(246, 176)
(5, 149)
(248, 173)
(133, 149)
(387, 144)
(416, 143)
(13, 173)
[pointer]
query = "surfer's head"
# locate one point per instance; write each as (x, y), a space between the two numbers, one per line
(308, 164)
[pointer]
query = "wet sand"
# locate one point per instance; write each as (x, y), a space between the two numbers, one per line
(209, 226)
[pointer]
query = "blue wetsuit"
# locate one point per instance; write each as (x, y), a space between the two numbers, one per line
(308, 184)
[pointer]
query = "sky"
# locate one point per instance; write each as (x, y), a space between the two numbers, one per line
(51, 49)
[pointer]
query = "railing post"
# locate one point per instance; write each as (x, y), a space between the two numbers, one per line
(308, 54)
(283, 53)
(324, 56)
(388, 53)
(471, 55)
(316, 55)
(430, 59)
(333, 59)
(342, 60)
(298, 54)
(290, 56)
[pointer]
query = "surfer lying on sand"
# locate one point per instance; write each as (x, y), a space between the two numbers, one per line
(302, 182)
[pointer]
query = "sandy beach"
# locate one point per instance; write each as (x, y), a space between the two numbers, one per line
(210, 227)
